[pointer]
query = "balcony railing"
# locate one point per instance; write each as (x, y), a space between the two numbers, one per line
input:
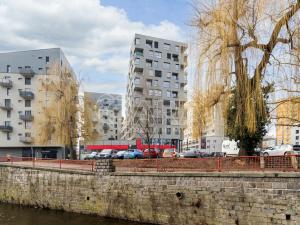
(6, 106)
(26, 140)
(27, 95)
(27, 72)
(6, 128)
(6, 83)
(26, 117)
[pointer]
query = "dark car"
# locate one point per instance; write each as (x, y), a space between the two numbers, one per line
(119, 155)
(152, 153)
(296, 149)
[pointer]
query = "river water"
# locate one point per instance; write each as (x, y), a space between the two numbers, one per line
(20, 215)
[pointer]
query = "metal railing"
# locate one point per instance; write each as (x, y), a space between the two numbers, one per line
(6, 83)
(28, 95)
(66, 164)
(289, 163)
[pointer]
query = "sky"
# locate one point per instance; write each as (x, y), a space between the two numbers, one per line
(94, 35)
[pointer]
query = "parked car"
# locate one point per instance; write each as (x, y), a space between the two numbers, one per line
(217, 154)
(119, 155)
(152, 153)
(107, 153)
(193, 153)
(92, 155)
(133, 154)
(296, 149)
(169, 153)
(278, 150)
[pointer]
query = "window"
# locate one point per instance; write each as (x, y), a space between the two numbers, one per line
(47, 59)
(8, 69)
(6, 123)
(176, 85)
(157, 92)
(168, 121)
(166, 65)
(27, 81)
(168, 130)
(166, 84)
(28, 112)
(177, 66)
(297, 137)
(176, 130)
(158, 73)
(28, 125)
(168, 94)
(155, 83)
(137, 61)
(149, 83)
(150, 53)
(40, 69)
(7, 102)
(137, 41)
(155, 64)
(167, 46)
(155, 44)
(8, 113)
(174, 76)
(40, 57)
(150, 92)
(151, 72)
(297, 131)
(158, 55)
(169, 74)
(137, 80)
(8, 136)
(177, 48)
(168, 55)
(175, 58)
(148, 62)
(166, 102)
(149, 43)
(174, 94)
(168, 112)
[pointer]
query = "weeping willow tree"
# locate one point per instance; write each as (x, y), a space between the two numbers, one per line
(91, 115)
(240, 43)
(58, 117)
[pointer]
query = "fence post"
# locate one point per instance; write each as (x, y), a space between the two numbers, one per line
(60, 164)
(294, 162)
(219, 164)
(262, 162)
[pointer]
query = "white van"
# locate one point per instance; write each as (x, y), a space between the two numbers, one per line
(230, 148)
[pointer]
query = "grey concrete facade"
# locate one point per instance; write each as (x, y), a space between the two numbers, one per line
(108, 122)
(21, 97)
(157, 79)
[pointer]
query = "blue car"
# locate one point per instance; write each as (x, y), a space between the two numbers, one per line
(133, 154)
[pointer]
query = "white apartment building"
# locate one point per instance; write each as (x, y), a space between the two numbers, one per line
(157, 80)
(108, 121)
(23, 98)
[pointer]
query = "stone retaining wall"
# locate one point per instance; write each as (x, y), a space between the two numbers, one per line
(162, 198)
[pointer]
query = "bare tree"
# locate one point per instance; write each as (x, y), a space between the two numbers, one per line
(59, 116)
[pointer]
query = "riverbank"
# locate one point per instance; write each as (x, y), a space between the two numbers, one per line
(159, 198)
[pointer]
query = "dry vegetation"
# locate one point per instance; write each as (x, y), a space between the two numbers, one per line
(243, 45)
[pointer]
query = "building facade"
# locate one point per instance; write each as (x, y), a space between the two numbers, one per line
(107, 116)
(157, 82)
(288, 122)
(25, 94)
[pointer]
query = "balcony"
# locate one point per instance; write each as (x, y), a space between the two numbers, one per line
(6, 83)
(26, 117)
(6, 128)
(26, 140)
(26, 72)
(6, 107)
(27, 95)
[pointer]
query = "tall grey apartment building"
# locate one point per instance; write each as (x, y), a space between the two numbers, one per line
(107, 120)
(23, 98)
(157, 79)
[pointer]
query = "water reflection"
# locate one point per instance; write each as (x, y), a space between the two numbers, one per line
(19, 215)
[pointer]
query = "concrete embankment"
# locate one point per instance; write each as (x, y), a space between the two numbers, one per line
(160, 198)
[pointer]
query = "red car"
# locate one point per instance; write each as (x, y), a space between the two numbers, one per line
(153, 153)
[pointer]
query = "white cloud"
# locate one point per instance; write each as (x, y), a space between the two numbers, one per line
(94, 37)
